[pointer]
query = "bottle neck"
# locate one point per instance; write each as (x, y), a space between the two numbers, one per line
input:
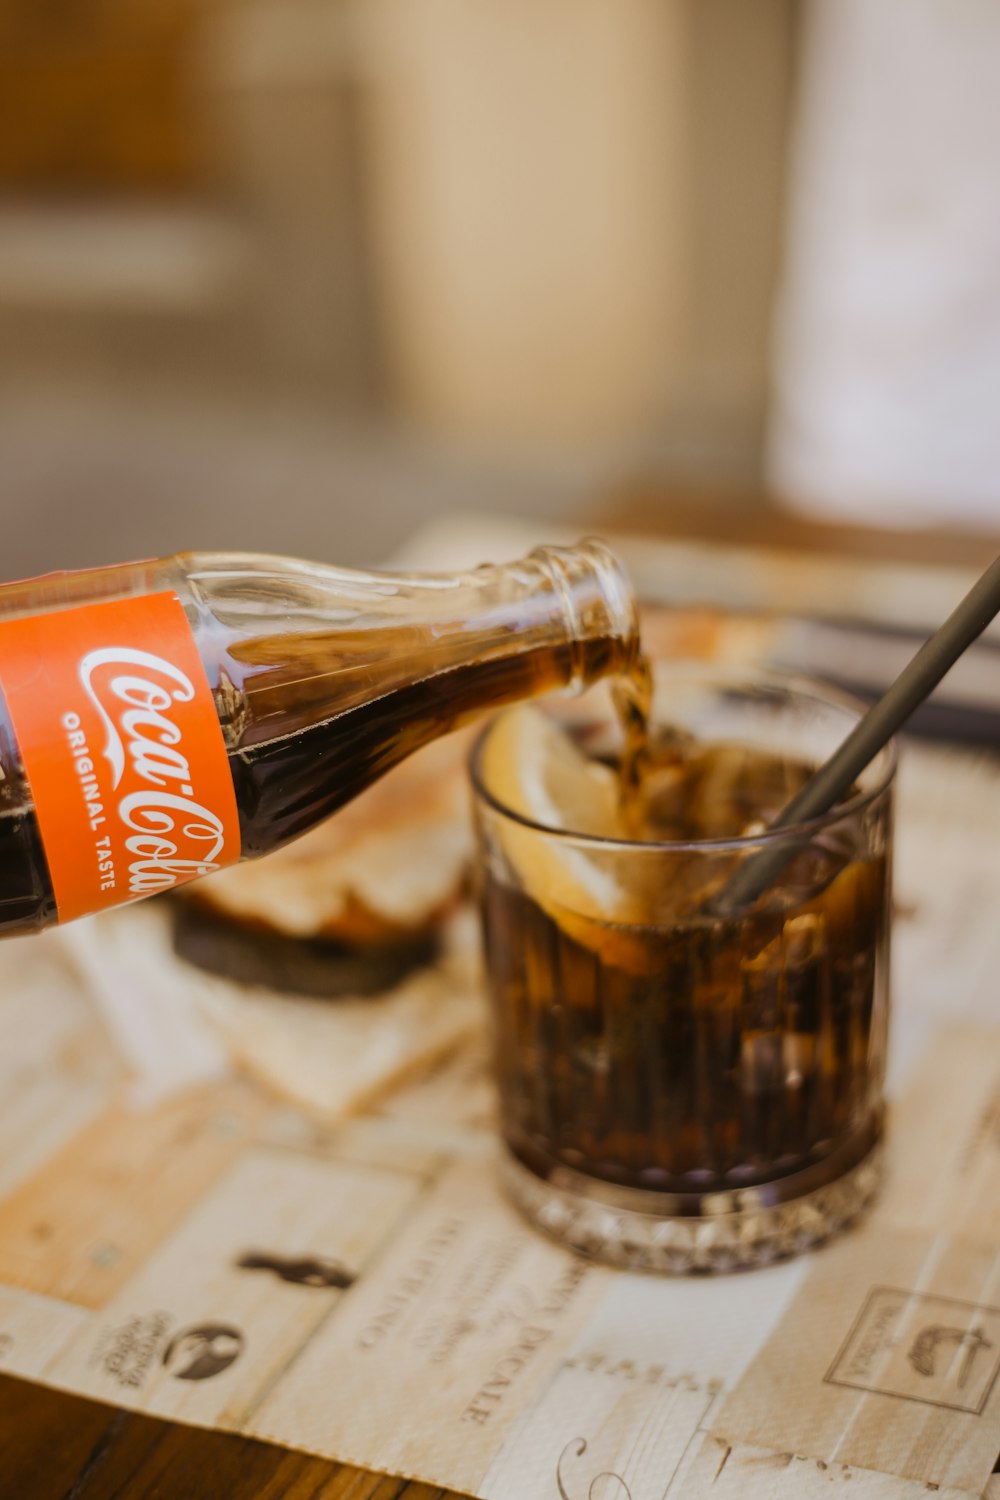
(600, 619)
(293, 643)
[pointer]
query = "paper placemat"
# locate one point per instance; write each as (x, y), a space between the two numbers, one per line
(359, 1288)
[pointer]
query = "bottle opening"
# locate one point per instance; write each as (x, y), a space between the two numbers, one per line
(599, 608)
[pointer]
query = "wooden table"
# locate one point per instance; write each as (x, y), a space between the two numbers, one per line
(55, 1446)
(751, 520)
(59, 1447)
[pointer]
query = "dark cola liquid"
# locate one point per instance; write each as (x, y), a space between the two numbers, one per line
(289, 772)
(26, 899)
(287, 784)
(699, 1054)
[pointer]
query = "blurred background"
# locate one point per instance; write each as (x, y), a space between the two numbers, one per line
(299, 275)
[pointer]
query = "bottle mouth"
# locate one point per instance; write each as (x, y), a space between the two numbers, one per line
(617, 588)
(597, 599)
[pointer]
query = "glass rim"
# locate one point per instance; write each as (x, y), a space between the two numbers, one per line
(747, 675)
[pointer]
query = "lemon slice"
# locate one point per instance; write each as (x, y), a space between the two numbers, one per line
(530, 766)
(537, 771)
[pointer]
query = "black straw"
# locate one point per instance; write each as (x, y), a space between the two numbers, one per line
(917, 680)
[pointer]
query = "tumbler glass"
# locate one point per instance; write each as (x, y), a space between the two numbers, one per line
(685, 1087)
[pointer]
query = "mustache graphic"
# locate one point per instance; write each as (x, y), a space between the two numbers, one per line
(305, 1270)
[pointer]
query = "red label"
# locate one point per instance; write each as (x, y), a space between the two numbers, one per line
(122, 747)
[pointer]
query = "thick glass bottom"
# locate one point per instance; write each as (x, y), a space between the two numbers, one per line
(716, 1232)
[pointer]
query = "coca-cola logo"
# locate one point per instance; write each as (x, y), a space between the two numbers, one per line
(172, 835)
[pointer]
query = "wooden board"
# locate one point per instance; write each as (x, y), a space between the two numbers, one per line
(59, 1447)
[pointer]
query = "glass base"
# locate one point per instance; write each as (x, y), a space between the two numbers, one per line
(729, 1231)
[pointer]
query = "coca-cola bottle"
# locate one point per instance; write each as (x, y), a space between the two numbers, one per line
(165, 718)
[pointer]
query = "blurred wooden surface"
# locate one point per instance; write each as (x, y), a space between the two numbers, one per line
(59, 1447)
(94, 94)
(752, 520)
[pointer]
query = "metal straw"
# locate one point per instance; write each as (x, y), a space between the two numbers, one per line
(917, 680)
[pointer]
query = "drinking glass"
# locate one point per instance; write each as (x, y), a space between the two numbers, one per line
(685, 1087)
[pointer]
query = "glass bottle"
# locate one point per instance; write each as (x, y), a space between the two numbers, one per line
(161, 719)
